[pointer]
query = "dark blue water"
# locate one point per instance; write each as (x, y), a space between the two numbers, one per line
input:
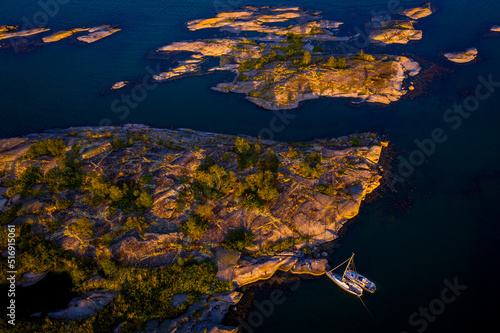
(441, 223)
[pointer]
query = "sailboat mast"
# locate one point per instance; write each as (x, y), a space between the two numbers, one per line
(347, 267)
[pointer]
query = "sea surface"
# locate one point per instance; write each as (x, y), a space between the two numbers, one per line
(439, 223)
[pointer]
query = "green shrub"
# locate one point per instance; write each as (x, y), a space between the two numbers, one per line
(180, 205)
(138, 223)
(248, 155)
(354, 141)
(108, 267)
(39, 255)
(258, 189)
(318, 48)
(64, 178)
(30, 177)
(292, 153)
(241, 145)
(311, 167)
(244, 78)
(119, 143)
(270, 161)
(365, 57)
(251, 200)
(62, 204)
(83, 227)
(204, 211)
(237, 240)
(53, 225)
(215, 182)
(143, 202)
(313, 158)
(52, 147)
(339, 63)
(307, 58)
(127, 196)
(310, 170)
(106, 239)
(184, 180)
(146, 179)
(324, 189)
(195, 227)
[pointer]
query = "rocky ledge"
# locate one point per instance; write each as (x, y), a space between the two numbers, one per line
(462, 57)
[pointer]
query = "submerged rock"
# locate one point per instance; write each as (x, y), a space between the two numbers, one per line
(98, 33)
(462, 57)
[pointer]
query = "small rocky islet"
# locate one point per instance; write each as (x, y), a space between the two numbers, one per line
(135, 202)
(462, 57)
(94, 34)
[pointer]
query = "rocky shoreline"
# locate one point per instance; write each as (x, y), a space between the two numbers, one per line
(319, 186)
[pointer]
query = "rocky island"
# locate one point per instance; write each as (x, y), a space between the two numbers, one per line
(462, 57)
(282, 69)
(98, 33)
(158, 227)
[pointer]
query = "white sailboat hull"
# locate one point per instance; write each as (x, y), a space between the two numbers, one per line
(345, 284)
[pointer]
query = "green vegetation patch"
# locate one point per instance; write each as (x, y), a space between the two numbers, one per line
(213, 181)
(52, 147)
(195, 227)
(29, 178)
(257, 190)
(237, 240)
(127, 196)
(337, 63)
(311, 167)
(325, 189)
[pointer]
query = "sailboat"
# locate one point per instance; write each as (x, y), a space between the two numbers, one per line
(344, 283)
(352, 281)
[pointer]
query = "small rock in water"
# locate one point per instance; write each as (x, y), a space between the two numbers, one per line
(462, 57)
